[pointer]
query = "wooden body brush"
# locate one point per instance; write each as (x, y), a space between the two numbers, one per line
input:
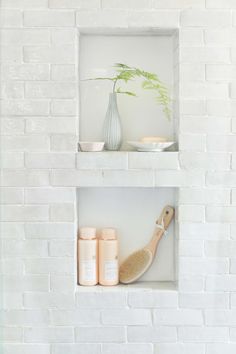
(138, 262)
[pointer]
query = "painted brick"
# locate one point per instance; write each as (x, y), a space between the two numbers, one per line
(191, 283)
(223, 214)
(22, 348)
(218, 37)
(195, 213)
(220, 72)
(49, 230)
(202, 125)
(58, 283)
(12, 334)
(102, 160)
(52, 126)
(11, 266)
(21, 4)
(191, 37)
(12, 300)
(12, 230)
(75, 317)
(206, 18)
(49, 18)
(11, 195)
(102, 178)
(63, 73)
(226, 248)
(62, 212)
(50, 54)
(25, 107)
(175, 4)
(10, 18)
(221, 143)
(100, 334)
(25, 249)
(192, 72)
(76, 348)
(153, 160)
(49, 195)
(220, 108)
(50, 90)
(203, 300)
(192, 142)
(204, 196)
(49, 265)
(52, 300)
(61, 248)
(26, 317)
(22, 283)
(221, 179)
(179, 178)
(74, 4)
(220, 317)
(10, 90)
(25, 143)
(227, 348)
(179, 348)
(22, 178)
(49, 160)
(191, 248)
(129, 4)
(206, 55)
(25, 72)
(64, 142)
(204, 90)
(63, 36)
(203, 266)
(220, 4)
(12, 126)
(126, 317)
(208, 231)
(127, 348)
(23, 36)
(141, 334)
(64, 107)
(25, 213)
(101, 300)
(203, 334)
(206, 161)
(153, 299)
(11, 54)
(178, 317)
(48, 334)
(221, 283)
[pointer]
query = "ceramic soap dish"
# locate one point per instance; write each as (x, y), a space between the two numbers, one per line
(91, 146)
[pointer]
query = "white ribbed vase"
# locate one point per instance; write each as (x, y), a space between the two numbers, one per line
(112, 130)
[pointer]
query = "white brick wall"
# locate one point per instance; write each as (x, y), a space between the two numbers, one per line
(42, 312)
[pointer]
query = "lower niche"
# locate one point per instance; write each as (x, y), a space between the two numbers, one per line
(133, 212)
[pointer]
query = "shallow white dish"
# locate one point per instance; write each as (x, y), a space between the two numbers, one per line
(150, 147)
(92, 146)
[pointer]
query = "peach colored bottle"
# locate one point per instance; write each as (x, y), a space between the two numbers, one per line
(108, 257)
(88, 256)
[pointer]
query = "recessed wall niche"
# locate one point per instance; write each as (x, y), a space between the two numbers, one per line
(153, 50)
(133, 212)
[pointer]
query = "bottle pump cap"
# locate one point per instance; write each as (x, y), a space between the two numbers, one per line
(87, 233)
(108, 234)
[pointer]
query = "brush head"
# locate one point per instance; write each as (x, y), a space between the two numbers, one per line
(135, 265)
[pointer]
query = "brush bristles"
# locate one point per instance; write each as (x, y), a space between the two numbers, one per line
(134, 266)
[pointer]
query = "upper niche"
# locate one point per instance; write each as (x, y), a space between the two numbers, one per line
(141, 116)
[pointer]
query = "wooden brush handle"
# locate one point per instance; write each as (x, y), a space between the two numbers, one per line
(164, 220)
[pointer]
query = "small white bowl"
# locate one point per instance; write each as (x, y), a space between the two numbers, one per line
(92, 146)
